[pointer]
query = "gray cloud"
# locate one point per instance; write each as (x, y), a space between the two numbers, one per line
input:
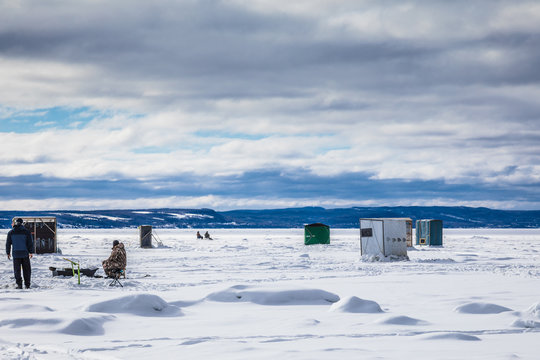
(214, 49)
(213, 40)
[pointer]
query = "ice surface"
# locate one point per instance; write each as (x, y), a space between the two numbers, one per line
(263, 294)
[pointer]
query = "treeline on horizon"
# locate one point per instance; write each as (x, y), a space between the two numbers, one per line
(453, 217)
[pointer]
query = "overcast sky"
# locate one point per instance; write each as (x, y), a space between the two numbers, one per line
(264, 104)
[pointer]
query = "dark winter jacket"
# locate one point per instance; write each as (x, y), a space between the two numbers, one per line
(117, 260)
(21, 240)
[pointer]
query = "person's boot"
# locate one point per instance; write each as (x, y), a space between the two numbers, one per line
(19, 286)
(27, 286)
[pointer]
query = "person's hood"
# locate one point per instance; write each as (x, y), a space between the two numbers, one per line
(120, 246)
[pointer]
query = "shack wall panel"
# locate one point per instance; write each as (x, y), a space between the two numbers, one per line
(372, 242)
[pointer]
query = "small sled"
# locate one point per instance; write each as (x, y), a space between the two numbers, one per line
(69, 272)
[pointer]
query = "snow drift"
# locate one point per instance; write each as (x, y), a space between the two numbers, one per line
(88, 326)
(450, 336)
(141, 304)
(264, 296)
(401, 320)
(353, 304)
(481, 308)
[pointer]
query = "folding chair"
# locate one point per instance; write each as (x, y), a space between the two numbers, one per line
(116, 273)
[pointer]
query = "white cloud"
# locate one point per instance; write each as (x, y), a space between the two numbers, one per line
(389, 150)
(221, 203)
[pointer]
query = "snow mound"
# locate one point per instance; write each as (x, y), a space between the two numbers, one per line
(353, 304)
(526, 324)
(401, 320)
(451, 336)
(534, 310)
(140, 304)
(242, 293)
(91, 326)
(481, 308)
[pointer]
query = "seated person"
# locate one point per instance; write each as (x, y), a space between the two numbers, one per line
(117, 260)
(199, 236)
(207, 235)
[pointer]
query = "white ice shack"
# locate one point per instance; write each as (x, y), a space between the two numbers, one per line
(385, 236)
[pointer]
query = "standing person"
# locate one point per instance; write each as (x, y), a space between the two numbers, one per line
(23, 249)
(117, 260)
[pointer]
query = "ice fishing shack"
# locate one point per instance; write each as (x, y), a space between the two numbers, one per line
(316, 234)
(429, 232)
(385, 236)
(43, 229)
(145, 236)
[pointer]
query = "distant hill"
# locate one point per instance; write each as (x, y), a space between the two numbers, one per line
(453, 217)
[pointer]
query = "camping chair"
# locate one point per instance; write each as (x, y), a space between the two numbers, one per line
(116, 273)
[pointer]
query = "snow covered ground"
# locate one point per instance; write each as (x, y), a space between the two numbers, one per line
(262, 294)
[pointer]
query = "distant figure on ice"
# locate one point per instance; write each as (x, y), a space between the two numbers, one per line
(207, 236)
(23, 248)
(117, 260)
(199, 236)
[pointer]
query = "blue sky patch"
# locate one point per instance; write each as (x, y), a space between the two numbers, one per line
(31, 121)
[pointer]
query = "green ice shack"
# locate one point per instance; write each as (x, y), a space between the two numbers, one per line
(316, 234)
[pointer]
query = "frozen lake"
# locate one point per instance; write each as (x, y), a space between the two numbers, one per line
(263, 294)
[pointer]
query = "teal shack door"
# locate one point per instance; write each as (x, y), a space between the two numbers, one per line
(429, 232)
(316, 234)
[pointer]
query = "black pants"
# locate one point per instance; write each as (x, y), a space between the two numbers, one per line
(26, 268)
